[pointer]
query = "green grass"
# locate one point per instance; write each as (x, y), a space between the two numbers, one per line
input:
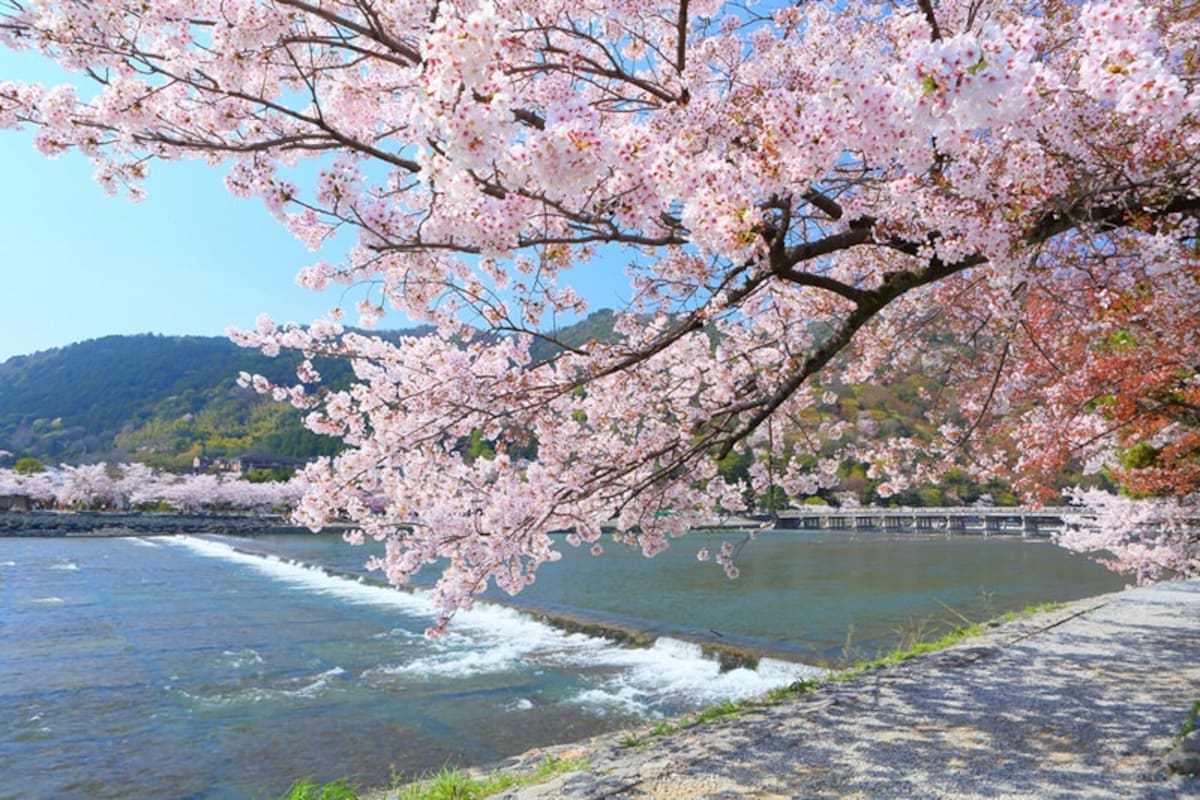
(307, 790)
(1029, 611)
(794, 689)
(1187, 727)
(914, 648)
(454, 784)
(914, 641)
(726, 708)
(445, 784)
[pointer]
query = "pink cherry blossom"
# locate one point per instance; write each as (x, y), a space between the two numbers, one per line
(979, 191)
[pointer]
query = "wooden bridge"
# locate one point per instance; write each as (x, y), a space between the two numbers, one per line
(984, 521)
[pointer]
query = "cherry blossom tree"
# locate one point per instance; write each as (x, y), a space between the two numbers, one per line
(10, 483)
(40, 487)
(139, 484)
(799, 194)
(1107, 378)
(1147, 539)
(134, 484)
(86, 485)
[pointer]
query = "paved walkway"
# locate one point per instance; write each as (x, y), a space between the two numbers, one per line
(1080, 702)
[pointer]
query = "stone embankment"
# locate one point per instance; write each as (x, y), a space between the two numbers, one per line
(51, 523)
(1089, 700)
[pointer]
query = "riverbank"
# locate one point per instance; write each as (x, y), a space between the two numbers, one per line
(1085, 700)
(116, 523)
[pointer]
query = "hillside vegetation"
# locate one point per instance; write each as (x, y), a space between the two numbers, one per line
(163, 400)
(159, 399)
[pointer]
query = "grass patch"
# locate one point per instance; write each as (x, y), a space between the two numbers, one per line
(914, 648)
(914, 641)
(1027, 611)
(454, 784)
(1189, 725)
(794, 689)
(726, 708)
(307, 790)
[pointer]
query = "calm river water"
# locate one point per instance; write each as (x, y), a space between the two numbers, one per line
(182, 668)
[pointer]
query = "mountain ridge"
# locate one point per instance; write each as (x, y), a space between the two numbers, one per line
(165, 399)
(72, 403)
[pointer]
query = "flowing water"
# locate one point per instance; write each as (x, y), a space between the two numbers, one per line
(183, 667)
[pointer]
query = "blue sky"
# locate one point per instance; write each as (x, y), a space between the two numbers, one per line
(189, 259)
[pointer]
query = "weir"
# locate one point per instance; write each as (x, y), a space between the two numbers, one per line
(730, 651)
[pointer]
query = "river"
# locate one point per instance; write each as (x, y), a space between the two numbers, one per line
(184, 667)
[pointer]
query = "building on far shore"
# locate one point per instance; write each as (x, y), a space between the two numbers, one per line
(250, 462)
(15, 502)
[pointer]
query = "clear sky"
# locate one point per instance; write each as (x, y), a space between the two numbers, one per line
(189, 259)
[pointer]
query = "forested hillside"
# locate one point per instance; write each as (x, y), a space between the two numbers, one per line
(164, 400)
(155, 398)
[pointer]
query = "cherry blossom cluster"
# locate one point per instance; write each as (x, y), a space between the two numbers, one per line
(1148, 539)
(984, 191)
(133, 485)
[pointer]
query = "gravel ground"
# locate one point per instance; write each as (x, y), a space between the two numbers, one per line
(1082, 701)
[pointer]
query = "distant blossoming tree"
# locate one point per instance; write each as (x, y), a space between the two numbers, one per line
(104, 486)
(87, 485)
(800, 194)
(41, 487)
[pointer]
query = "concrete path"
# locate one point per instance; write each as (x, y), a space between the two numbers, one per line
(1081, 702)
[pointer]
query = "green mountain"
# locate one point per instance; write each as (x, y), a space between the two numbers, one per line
(164, 400)
(160, 399)
(597, 326)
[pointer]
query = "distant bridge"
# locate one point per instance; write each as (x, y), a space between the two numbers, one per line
(986, 521)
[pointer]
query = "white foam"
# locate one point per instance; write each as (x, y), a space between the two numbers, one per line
(318, 686)
(236, 659)
(624, 699)
(675, 674)
(141, 541)
(398, 633)
(666, 647)
(311, 578)
(48, 600)
(8, 563)
(787, 671)
(68, 566)
(460, 663)
(306, 687)
(491, 639)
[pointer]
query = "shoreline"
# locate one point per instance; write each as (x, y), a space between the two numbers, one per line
(47, 522)
(1081, 700)
(1137, 652)
(55, 524)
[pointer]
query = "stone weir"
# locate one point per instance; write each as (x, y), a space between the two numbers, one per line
(730, 651)
(87, 523)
